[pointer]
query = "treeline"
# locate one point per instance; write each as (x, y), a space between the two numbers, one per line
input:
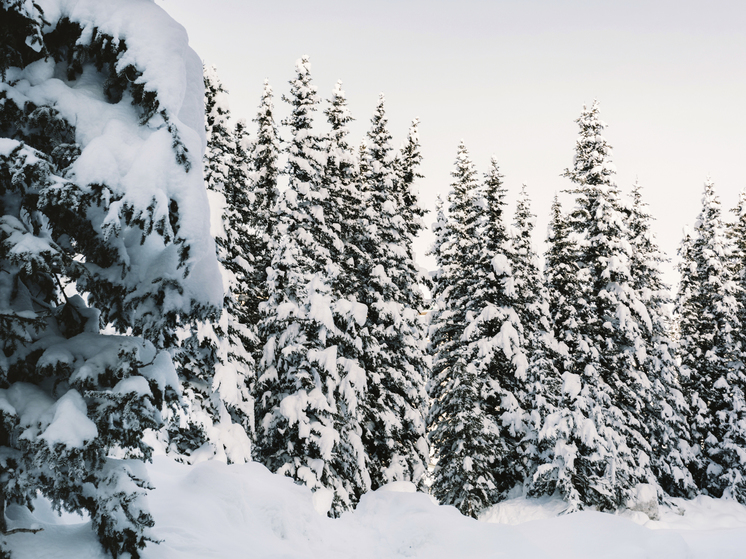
(322, 294)
(571, 380)
(576, 381)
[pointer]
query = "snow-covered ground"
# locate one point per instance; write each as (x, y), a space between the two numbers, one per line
(212, 510)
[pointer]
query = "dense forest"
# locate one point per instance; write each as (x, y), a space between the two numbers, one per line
(263, 302)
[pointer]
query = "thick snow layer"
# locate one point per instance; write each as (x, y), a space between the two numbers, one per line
(69, 424)
(211, 510)
(136, 162)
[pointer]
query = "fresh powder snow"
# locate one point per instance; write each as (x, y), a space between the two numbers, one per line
(212, 510)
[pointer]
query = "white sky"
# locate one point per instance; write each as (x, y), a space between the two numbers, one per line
(510, 77)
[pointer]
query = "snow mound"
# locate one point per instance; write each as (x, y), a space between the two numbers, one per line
(521, 509)
(212, 510)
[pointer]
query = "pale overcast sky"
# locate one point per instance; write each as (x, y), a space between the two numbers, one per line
(510, 78)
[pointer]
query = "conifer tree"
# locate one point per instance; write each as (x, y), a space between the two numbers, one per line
(532, 306)
(235, 371)
(462, 431)
(409, 160)
(346, 199)
(215, 360)
(737, 235)
(497, 347)
(395, 362)
(665, 417)
(89, 238)
(559, 440)
(221, 144)
(608, 385)
(264, 194)
(566, 307)
(343, 207)
(707, 309)
(301, 412)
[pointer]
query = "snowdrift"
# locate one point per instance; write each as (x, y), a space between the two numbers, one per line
(212, 510)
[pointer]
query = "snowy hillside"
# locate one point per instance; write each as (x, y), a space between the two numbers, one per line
(216, 511)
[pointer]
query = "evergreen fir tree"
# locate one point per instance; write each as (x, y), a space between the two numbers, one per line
(665, 418)
(221, 145)
(395, 361)
(531, 302)
(737, 235)
(237, 334)
(264, 193)
(607, 387)
(462, 431)
(346, 200)
(82, 247)
(559, 440)
(497, 347)
(408, 161)
(304, 391)
(707, 309)
(215, 360)
(562, 277)
(343, 207)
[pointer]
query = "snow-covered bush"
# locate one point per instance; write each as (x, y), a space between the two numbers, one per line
(103, 221)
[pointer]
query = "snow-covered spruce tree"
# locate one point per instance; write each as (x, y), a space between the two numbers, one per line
(495, 333)
(559, 440)
(462, 432)
(263, 193)
(305, 395)
(408, 161)
(226, 176)
(531, 303)
(342, 182)
(102, 221)
(607, 366)
(213, 362)
(665, 419)
(395, 360)
(737, 234)
(563, 279)
(343, 207)
(707, 310)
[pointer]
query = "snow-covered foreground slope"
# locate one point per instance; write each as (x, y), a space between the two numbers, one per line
(216, 511)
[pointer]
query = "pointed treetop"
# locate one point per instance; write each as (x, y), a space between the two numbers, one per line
(411, 158)
(267, 136)
(494, 191)
(524, 222)
(338, 114)
(379, 148)
(592, 165)
(493, 176)
(710, 206)
(338, 91)
(740, 209)
(709, 196)
(380, 121)
(464, 188)
(556, 218)
(637, 190)
(409, 161)
(303, 97)
(303, 65)
(413, 134)
(464, 172)
(524, 219)
(267, 92)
